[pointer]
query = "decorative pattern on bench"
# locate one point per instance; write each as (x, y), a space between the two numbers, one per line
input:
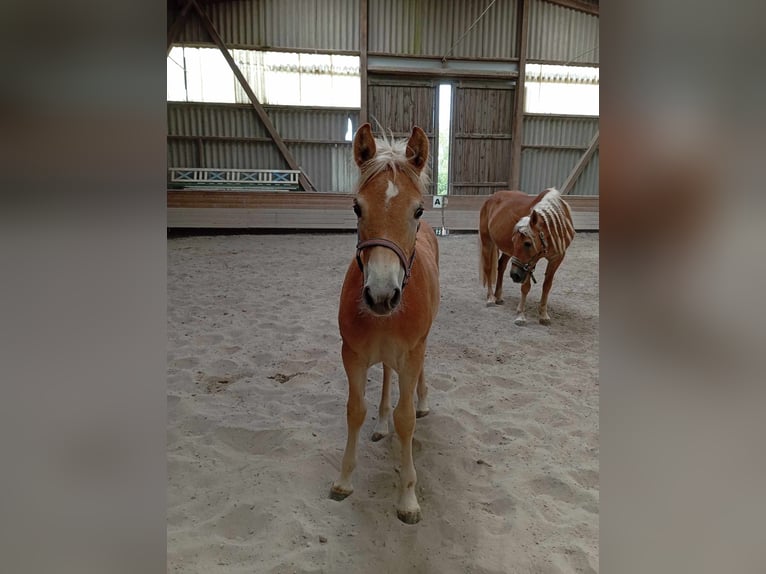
(263, 179)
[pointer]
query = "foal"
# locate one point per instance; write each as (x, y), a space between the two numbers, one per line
(389, 299)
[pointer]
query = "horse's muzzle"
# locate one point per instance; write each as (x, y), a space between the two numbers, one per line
(382, 302)
(518, 275)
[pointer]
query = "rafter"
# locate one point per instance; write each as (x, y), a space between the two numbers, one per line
(580, 166)
(175, 29)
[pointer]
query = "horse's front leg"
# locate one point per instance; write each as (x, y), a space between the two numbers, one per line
(384, 411)
(521, 318)
(407, 508)
(422, 409)
(547, 284)
(502, 264)
(356, 410)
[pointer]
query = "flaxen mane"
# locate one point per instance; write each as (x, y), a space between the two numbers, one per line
(556, 218)
(391, 154)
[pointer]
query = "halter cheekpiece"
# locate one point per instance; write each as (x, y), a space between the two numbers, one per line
(529, 266)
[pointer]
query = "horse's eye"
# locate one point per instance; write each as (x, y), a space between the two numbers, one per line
(418, 212)
(357, 210)
(527, 244)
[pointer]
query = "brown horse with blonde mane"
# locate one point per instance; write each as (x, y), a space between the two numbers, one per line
(389, 299)
(523, 229)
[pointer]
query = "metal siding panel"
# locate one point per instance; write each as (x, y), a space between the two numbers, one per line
(388, 26)
(541, 169)
(559, 130)
(302, 25)
(305, 25)
(430, 27)
(182, 154)
(312, 124)
(494, 36)
(345, 172)
(561, 34)
(321, 161)
(587, 183)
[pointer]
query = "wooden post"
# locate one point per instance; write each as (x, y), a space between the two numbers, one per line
(580, 166)
(363, 110)
(517, 131)
(262, 115)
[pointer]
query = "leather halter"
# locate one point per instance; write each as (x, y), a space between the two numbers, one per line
(529, 266)
(380, 242)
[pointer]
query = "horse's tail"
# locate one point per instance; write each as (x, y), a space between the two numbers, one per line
(488, 253)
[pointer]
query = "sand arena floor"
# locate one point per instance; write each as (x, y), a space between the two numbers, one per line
(507, 461)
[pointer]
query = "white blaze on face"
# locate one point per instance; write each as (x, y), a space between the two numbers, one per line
(391, 191)
(383, 272)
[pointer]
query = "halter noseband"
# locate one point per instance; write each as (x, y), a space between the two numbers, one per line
(529, 266)
(380, 242)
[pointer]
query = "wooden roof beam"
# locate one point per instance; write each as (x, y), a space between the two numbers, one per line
(175, 28)
(580, 166)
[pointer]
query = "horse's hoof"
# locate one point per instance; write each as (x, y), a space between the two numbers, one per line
(520, 322)
(376, 436)
(339, 493)
(499, 301)
(421, 414)
(490, 303)
(544, 321)
(409, 516)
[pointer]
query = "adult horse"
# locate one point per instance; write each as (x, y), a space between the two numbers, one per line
(389, 299)
(523, 229)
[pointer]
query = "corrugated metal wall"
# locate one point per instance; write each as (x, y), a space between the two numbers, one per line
(552, 146)
(232, 136)
(300, 25)
(431, 27)
(481, 138)
(402, 27)
(559, 130)
(562, 34)
(425, 28)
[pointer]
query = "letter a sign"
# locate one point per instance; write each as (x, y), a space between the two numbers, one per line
(438, 202)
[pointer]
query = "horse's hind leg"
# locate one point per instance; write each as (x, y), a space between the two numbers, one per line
(356, 371)
(422, 409)
(502, 264)
(547, 284)
(488, 261)
(521, 318)
(384, 411)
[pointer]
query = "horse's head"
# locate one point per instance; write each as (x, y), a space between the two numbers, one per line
(528, 247)
(388, 206)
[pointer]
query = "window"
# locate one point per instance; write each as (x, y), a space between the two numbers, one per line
(277, 78)
(571, 90)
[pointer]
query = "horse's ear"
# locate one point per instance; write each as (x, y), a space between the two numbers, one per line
(417, 148)
(533, 218)
(364, 144)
